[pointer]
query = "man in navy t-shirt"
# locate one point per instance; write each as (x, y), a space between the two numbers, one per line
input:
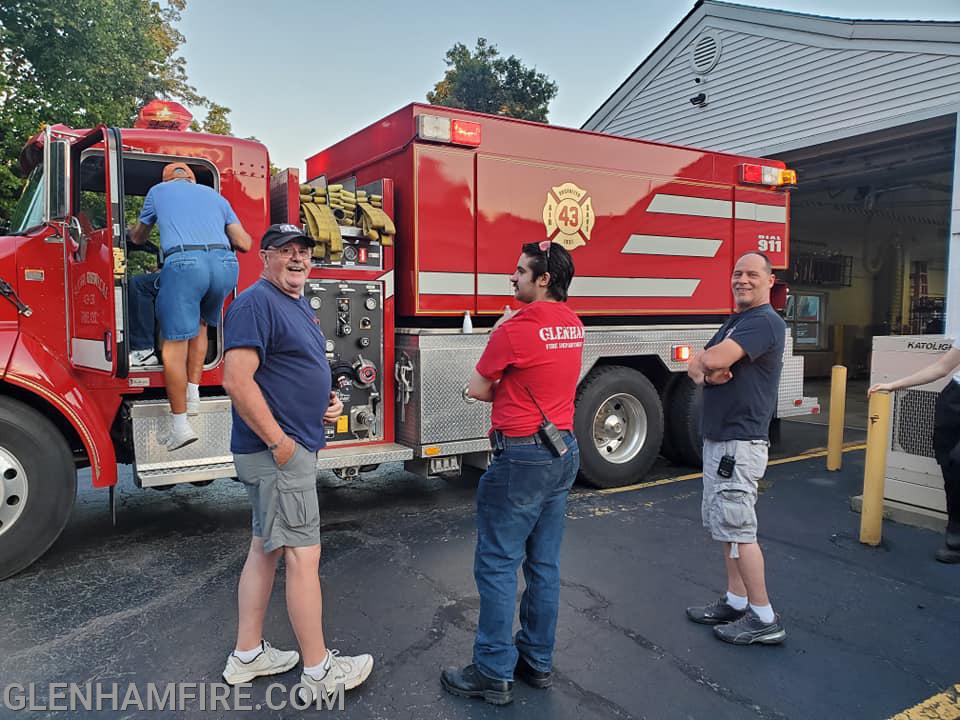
(276, 373)
(740, 372)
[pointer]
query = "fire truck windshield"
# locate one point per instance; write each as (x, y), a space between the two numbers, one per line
(28, 212)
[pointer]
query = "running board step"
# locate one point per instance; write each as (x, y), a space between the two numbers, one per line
(209, 458)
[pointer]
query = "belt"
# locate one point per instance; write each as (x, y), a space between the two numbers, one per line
(184, 248)
(498, 439)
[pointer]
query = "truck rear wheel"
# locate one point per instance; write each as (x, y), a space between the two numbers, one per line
(38, 485)
(619, 426)
(683, 405)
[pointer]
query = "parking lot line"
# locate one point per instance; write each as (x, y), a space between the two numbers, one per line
(805, 455)
(942, 706)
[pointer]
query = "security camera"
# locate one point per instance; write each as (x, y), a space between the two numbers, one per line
(699, 100)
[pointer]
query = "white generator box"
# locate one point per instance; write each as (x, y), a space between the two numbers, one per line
(913, 476)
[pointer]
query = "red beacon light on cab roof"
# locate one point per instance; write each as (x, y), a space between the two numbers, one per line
(163, 115)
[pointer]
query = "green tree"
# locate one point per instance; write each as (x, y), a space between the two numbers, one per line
(83, 62)
(485, 81)
(217, 121)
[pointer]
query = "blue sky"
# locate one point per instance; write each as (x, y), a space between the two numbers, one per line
(303, 74)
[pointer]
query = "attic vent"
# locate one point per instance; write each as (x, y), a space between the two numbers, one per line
(705, 54)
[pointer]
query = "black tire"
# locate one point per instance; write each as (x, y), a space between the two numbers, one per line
(33, 456)
(667, 448)
(682, 409)
(617, 402)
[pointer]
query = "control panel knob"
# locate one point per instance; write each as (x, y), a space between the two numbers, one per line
(364, 342)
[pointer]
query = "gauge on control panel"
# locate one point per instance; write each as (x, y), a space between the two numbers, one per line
(350, 253)
(370, 303)
(331, 346)
(315, 302)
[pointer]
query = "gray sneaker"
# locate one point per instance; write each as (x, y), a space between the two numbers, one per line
(751, 629)
(717, 612)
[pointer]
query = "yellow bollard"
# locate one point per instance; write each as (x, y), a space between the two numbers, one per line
(838, 409)
(878, 437)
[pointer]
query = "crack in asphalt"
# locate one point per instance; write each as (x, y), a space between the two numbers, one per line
(689, 670)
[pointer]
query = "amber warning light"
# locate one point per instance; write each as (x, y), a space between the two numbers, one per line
(163, 115)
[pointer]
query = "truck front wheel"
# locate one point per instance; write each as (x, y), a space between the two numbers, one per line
(38, 485)
(619, 426)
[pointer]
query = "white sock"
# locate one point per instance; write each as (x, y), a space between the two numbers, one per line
(193, 391)
(248, 655)
(318, 672)
(737, 602)
(180, 424)
(764, 612)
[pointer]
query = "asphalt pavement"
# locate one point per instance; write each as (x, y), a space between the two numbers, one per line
(871, 631)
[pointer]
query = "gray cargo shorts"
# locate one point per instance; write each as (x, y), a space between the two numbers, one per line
(728, 503)
(286, 509)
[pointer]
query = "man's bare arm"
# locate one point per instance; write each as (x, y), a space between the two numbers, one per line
(480, 388)
(239, 238)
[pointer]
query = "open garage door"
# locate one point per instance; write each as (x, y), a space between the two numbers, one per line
(870, 232)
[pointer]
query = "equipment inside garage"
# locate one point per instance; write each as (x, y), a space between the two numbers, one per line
(869, 241)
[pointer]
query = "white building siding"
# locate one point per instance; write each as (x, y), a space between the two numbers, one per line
(780, 85)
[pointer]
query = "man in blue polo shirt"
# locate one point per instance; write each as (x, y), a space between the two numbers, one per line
(198, 233)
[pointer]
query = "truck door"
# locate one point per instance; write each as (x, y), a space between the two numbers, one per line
(95, 255)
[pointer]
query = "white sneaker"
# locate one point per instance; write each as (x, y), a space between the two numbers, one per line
(270, 661)
(193, 406)
(143, 358)
(347, 671)
(174, 440)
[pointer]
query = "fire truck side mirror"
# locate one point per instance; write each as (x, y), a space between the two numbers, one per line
(57, 171)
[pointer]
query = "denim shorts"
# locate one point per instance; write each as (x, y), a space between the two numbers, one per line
(193, 285)
(728, 507)
(286, 509)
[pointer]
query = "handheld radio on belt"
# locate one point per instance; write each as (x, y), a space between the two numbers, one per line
(549, 432)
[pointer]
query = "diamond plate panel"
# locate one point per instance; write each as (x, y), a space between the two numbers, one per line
(437, 411)
(913, 412)
(212, 425)
(443, 361)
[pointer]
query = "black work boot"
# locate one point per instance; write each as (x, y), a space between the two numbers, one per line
(530, 675)
(470, 682)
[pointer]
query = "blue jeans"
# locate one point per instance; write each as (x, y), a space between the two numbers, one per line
(521, 502)
(193, 286)
(141, 310)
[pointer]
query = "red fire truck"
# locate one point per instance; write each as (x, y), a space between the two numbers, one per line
(654, 230)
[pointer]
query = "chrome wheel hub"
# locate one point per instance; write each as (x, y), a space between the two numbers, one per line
(620, 428)
(13, 490)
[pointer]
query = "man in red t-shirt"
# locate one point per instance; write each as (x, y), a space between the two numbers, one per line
(529, 371)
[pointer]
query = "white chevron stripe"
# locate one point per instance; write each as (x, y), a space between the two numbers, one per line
(446, 283)
(667, 245)
(761, 212)
(685, 205)
(387, 278)
(499, 286)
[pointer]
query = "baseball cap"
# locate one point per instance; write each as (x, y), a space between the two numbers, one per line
(178, 171)
(282, 233)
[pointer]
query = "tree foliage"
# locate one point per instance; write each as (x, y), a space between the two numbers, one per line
(83, 62)
(485, 81)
